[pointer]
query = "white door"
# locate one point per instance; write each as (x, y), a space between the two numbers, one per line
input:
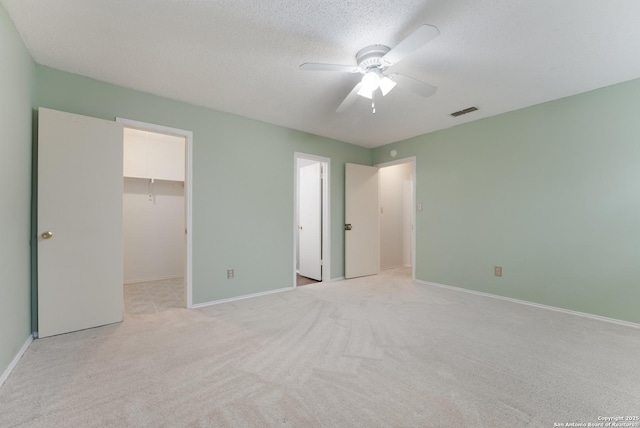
(79, 222)
(310, 221)
(361, 236)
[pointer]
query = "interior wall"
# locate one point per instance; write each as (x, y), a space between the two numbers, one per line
(16, 87)
(550, 193)
(153, 229)
(395, 215)
(242, 182)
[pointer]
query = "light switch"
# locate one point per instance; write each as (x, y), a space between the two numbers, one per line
(419, 207)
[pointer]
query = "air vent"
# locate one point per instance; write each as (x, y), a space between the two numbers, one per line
(465, 111)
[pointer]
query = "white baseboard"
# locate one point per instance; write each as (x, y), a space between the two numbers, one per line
(395, 267)
(15, 360)
(157, 278)
(537, 305)
(246, 296)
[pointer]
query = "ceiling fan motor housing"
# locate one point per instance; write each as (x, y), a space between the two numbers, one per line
(371, 57)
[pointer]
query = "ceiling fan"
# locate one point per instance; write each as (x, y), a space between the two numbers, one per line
(372, 62)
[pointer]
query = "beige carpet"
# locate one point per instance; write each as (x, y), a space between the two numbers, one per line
(371, 352)
(150, 297)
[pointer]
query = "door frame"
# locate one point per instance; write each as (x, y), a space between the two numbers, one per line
(188, 181)
(326, 211)
(413, 162)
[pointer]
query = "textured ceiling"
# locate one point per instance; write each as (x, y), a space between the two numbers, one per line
(242, 56)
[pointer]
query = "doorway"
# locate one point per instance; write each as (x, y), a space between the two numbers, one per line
(156, 218)
(397, 215)
(311, 219)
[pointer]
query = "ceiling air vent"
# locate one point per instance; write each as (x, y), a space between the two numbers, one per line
(465, 111)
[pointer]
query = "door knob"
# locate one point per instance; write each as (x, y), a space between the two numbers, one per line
(347, 226)
(47, 235)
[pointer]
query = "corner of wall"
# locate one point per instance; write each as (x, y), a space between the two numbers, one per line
(17, 86)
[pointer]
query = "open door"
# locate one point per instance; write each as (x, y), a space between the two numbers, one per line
(310, 221)
(79, 222)
(361, 236)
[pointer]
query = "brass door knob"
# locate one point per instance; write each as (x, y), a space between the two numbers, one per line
(47, 235)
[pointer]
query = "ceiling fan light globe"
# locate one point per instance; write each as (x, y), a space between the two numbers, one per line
(370, 81)
(386, 85)
(366, 92)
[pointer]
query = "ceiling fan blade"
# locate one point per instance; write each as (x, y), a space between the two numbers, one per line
(414, 85)
(350, 99)
(419, 37)
(330, 67)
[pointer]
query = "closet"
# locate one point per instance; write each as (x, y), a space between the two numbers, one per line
(153, 206)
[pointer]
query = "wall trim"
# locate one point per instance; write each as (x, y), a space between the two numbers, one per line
(395, 267)
(15, 360)
(537, 305)
(158, 278)
(246, 296)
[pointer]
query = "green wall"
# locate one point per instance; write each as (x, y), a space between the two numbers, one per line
(551, 193)
(16, 89)
(242, 182)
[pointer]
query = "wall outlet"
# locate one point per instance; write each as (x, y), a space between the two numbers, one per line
(497, 270)
(230, 273)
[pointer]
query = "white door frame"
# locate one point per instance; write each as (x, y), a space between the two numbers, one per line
(411, 160)
(188, 137)
(326, 212)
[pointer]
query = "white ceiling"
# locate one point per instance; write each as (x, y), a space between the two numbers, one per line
(242, 56)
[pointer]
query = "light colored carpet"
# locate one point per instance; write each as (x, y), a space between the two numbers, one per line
(371, 352)
(154, 296)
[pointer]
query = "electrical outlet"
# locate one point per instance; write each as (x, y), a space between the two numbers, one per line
(497, 270)
(230, 273)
